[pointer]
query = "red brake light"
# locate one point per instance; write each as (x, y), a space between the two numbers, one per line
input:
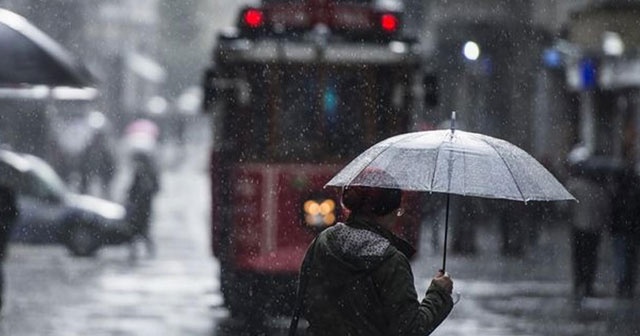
(253, 18)
(389, 23)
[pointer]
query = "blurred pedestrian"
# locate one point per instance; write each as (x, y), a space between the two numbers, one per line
(513, 220)
(434, 206)
(625, 231)
(356, 278)
(71, 142)
(142, 135)
(463, 224)
(97, 163)
(590, 216)
(8, 214)
(144, 186)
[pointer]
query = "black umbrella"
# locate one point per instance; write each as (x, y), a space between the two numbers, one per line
(29, 57)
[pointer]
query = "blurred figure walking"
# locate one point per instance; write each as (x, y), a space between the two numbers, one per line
(625, 230)
(144, 186)
(513, 221)
(8, 213)
(591, 215)
(97, 163)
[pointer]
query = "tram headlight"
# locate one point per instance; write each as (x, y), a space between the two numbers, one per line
(319, 212)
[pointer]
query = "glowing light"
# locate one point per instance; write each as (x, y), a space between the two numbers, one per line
(319, 213)
(254, 18)
(471, 51)
(311, 207)
(327, 207)
(389, 22)
(612, 44)
(329, 219)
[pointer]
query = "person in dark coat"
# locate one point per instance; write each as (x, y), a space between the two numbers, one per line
(625, 231)
(590, 183)
(360, 281)
(8, 214)
(590, 217)
(97, 162)
(140, 195)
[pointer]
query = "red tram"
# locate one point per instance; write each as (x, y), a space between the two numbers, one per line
(297, 89)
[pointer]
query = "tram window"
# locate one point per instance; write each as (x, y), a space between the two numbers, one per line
(246, 129)
(348, 132)
(261, 105)
(309, 114)
(295, 120)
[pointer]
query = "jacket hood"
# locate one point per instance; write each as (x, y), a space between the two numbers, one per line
(361, 244)
(357, 249)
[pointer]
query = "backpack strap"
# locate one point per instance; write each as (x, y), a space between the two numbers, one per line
(305, 270)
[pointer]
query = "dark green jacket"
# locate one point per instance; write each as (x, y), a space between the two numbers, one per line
(361, 284)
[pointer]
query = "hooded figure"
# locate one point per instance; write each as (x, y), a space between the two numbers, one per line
(140, 196)
(360, 281)
(590, 183)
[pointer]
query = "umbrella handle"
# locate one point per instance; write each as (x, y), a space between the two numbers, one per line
(446, 234)
(453, 121)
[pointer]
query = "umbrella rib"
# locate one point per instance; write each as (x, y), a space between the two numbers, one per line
(417, 134)
(508, 168)
(433, 174)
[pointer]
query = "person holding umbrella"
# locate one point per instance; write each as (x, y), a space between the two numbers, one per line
(356, 278)
(361, 256)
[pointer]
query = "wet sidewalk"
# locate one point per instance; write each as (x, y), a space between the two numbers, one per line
(528, 295)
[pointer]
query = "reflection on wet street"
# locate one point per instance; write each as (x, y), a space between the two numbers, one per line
(529, 294)
(253, 327)
(50, 292)
(177, 292)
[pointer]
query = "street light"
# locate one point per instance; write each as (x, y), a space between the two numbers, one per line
(471, 50)
(612, 44)
(474, 78)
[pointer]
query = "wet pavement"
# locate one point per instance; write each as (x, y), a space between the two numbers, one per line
(173, 293)
(528, 295)
(176, 292)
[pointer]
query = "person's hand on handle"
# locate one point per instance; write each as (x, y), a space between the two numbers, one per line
(443, 280)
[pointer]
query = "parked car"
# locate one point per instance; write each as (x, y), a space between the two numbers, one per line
(51, 213)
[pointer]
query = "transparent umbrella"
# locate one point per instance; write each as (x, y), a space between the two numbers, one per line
(453, 162)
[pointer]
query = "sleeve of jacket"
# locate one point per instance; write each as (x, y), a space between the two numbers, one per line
(406, 315)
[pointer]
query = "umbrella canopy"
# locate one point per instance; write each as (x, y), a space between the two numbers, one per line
(30, 57)
(454, 162)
